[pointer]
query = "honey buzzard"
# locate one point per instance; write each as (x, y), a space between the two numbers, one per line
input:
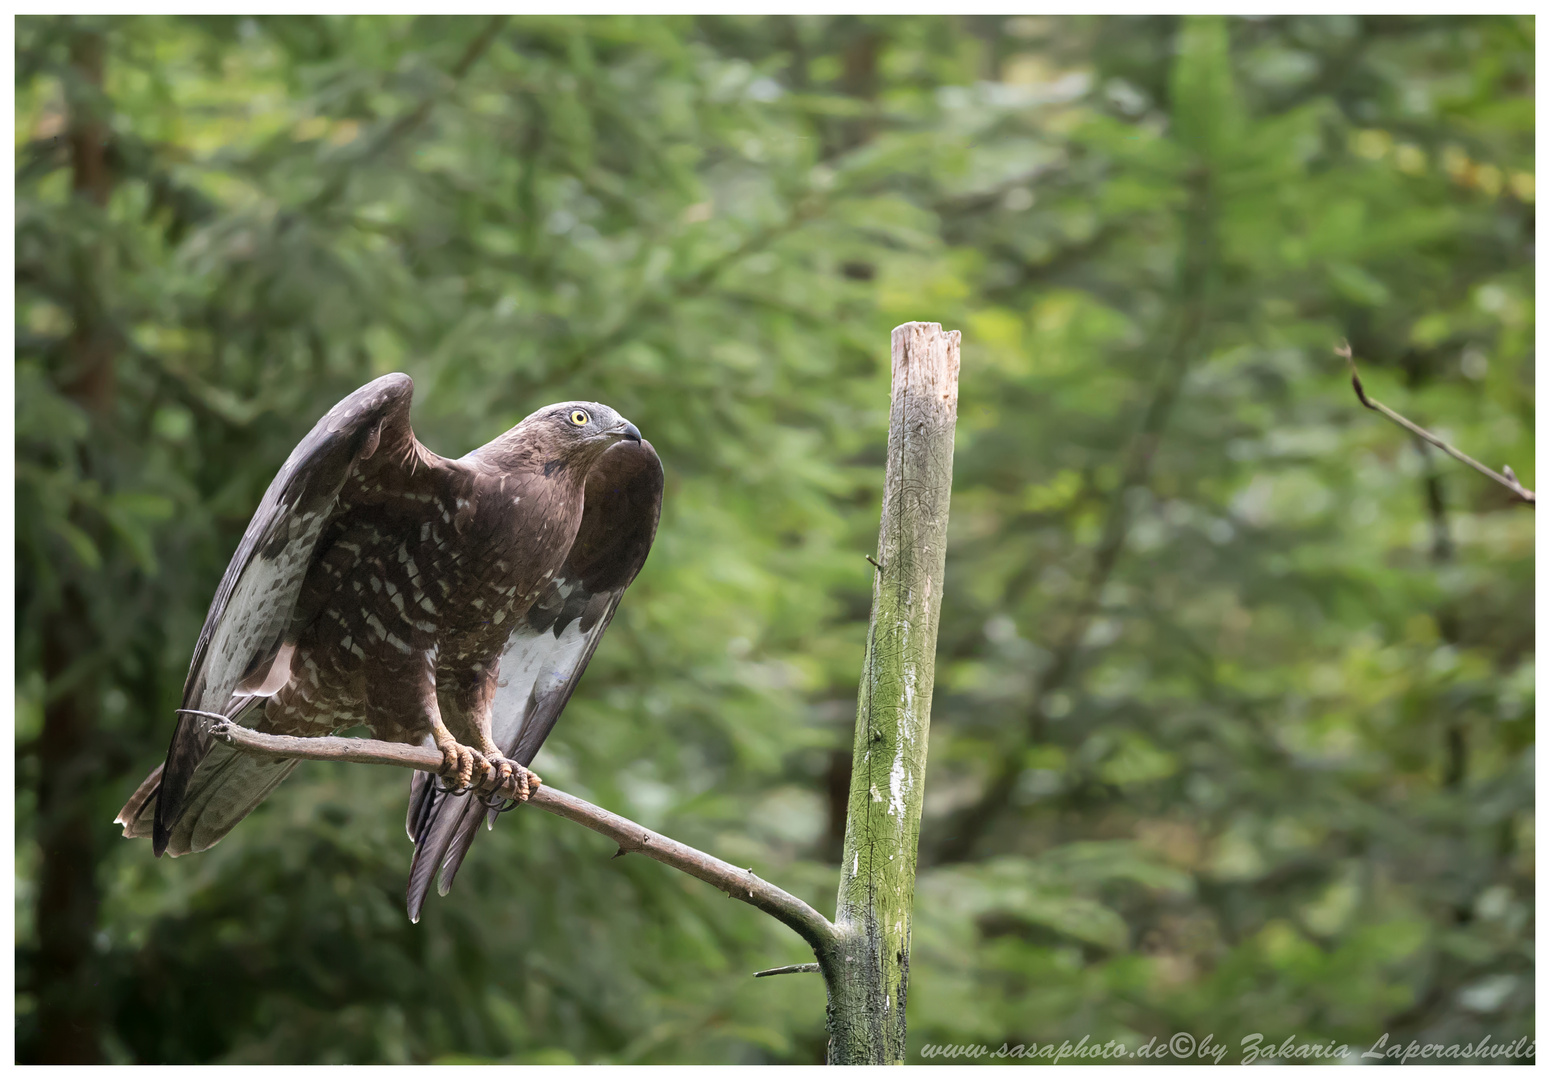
(450, 603)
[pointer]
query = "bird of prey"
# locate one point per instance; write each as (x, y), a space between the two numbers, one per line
(450, 603)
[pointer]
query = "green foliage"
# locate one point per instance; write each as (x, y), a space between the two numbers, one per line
(1234, 707)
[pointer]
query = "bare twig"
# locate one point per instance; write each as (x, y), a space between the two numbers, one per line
(737, 883)
(1506, 478)
(789, 969)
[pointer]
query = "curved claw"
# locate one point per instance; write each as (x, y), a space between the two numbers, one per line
(498, 770)
(524, 779)
(457, 766)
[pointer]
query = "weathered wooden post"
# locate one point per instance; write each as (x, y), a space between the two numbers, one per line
(867, 965)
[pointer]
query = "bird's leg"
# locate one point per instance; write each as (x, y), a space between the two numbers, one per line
(500, 770)
(503, 768)
(401, 706)
(458, 762)
(475, 700)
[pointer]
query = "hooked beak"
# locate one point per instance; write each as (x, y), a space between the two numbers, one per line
(628, 431)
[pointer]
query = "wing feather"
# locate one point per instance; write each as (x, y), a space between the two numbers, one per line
(256, 602)
(547, 651)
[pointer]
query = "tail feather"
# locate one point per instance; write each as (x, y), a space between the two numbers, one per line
(193, 800)
(190, 747)
(136, 816)
(226, 787)
(446, 827)
(420, 790)
(468, 829)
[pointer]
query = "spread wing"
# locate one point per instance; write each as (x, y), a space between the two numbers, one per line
(256, 604)
(547, 651)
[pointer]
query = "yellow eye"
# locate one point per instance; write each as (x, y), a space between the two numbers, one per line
(579, 418)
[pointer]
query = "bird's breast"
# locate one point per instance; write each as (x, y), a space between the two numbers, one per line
(447, 574)
(509, 553)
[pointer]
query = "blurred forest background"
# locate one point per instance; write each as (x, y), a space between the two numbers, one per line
(1234, 721)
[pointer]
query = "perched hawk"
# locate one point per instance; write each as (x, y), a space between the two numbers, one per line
(451, 603)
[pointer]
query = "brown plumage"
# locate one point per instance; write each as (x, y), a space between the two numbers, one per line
(454, 603)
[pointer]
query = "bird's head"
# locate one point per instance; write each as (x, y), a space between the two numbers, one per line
(579, 431)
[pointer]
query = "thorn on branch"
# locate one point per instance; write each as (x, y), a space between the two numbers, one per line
(789, 969)
(874, 562)
(1507, 478)
(626, 848)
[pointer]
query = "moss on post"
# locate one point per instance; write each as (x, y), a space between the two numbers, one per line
(868, 970)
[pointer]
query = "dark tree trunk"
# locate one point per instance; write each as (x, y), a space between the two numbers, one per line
(68, 1005)
(67, 886)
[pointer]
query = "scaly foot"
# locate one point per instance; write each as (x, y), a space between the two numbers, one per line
(459, 763)
(503, 770)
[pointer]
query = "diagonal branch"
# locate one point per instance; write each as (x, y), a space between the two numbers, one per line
(1506, 478)
(740, 884)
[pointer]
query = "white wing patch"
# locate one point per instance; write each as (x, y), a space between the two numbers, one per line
(257, 611)
(532, 667)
